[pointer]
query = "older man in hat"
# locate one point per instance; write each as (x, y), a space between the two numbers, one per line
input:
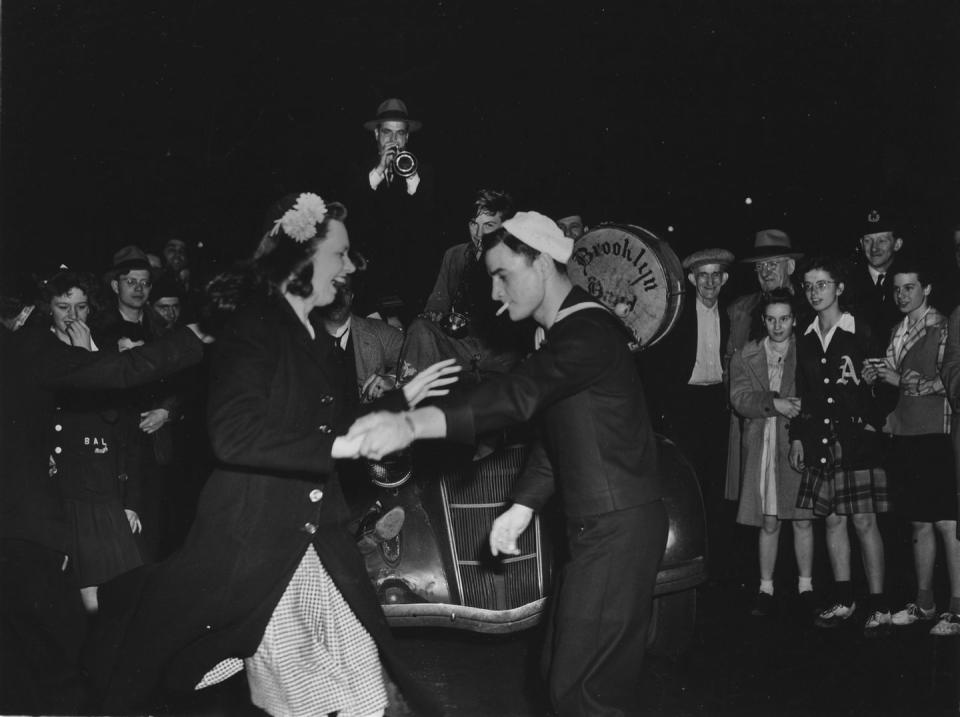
(597, 451)
(774, 261)
(685, 375)
(392, 210)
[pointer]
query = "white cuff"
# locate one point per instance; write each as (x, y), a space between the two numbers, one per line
(412, 184)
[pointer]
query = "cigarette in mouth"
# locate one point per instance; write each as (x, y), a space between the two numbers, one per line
(503, 307)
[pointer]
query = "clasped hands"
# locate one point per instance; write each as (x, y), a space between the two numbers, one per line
(378, 434)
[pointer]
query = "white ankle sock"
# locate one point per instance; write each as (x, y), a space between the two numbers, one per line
(766, 586)
(804, 585)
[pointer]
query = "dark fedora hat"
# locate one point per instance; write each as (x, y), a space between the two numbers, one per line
(393, 110)
(772, 244)
(129, 258)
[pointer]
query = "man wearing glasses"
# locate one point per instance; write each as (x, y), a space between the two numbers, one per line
(774, 261)
(144, 410)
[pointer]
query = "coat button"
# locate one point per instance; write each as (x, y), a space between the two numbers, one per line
(824, 441)
(309, 528)
(58, 427)
(823, 460)
(324, 428)
(58, 450)
(830, 400)
(315, 495)
(823, 360)
(326, 399)
(826, 380)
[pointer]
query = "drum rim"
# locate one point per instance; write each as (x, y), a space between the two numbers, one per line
(675, 290)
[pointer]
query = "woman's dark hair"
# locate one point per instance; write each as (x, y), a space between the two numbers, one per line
(780, 295)
(910, 264)
(61, 283)
(277, 259)
(502, 236)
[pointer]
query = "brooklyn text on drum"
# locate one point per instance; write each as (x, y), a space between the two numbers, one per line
(584, 255)
(633, 272)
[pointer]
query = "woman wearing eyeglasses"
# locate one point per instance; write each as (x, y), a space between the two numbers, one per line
(837, 444)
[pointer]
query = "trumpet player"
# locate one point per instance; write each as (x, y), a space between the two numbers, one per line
(392, 205)
(392, 128)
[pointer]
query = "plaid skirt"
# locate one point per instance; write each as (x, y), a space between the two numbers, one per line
(832, 489)
(315, 657)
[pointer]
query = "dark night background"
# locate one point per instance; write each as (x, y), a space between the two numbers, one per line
(125, 121)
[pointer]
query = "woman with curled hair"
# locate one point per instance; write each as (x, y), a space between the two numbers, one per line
(99, 496)
(837, 443)
(763, 393)
(270, 578)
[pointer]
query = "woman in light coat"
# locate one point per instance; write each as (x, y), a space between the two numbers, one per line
(762, 391)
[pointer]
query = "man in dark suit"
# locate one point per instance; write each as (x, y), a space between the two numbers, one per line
(870, 284)
(392, 215)
(42, 622)
(597, 451)
(686, 373)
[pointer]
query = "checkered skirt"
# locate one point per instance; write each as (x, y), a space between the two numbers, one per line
(315, 657)
(833, 489)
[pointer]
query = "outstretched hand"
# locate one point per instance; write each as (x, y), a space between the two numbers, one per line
(430, 382)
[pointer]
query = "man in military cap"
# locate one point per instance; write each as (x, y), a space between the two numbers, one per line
(870, 285)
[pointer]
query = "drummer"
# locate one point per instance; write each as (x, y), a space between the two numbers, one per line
(598, 452)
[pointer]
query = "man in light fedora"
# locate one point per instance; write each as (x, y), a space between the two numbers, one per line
(392, 218)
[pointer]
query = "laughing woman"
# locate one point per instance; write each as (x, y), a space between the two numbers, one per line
(269, 578)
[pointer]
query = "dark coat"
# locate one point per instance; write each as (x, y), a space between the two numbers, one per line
(950, 373)
(837, 404)
(277, 401)
(597, 444)
(667, 365)
(874, 306)
(35, 364)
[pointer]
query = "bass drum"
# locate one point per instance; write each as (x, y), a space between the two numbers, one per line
(635, 274)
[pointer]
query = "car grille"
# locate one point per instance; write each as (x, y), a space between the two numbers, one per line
(472, 498)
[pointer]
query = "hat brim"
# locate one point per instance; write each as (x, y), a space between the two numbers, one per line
(129, 265)
(770, 253)
(412, 124)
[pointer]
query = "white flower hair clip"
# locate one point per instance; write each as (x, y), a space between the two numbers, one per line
(300, 222)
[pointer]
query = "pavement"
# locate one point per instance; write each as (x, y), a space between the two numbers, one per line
(737, 664)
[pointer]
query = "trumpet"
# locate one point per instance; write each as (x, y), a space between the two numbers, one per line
(404, 164)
